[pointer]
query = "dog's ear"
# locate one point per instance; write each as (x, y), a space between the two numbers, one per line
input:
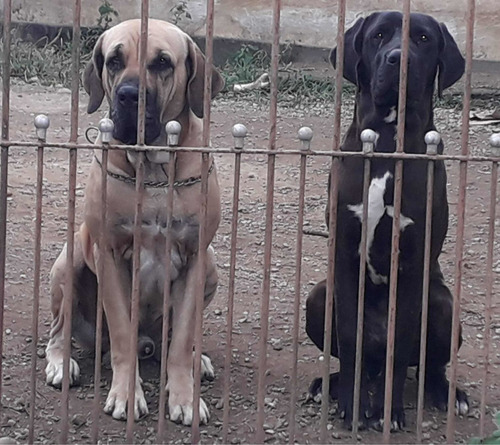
(451, 62)
(196, 80)
(92, 78)
(352, 51)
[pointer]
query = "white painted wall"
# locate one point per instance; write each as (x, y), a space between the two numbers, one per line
(307, 22)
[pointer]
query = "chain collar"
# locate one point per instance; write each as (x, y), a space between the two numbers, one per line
(156, 184)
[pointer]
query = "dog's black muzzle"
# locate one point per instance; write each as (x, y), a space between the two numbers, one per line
(385, 88)
(124, 113)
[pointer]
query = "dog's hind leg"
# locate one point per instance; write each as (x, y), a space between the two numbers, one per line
(55, 347)
(438, 345)
(315, 316)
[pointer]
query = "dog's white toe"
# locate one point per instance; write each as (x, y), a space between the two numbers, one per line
(116, 404)
(461, 407)
(54, 372)
(207, 369)
(183, 413)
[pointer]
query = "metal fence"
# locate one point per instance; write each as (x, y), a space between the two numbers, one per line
(464, 158)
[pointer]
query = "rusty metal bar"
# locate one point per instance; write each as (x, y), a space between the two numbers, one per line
(495, 146)
(368, 137)
(239, 134)
(266, 283)
(209, 60)
(305, 136)
(75, 84)
(134, 316)
(432, 140)
(398, 183)
(173, 130)
(41, 123)
(139, 194)
(332, 224)
(264, 151)
(202, 257)
(106, 131)
(198, 333)
(4, 168)
(459, 246)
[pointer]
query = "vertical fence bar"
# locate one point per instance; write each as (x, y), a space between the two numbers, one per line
(432, 140)
(137, 244)
(305, 136)
(202, 246)
(266, 284)
(495, 148)
(398, 183)
(332, 220)
(173, 130)
(106, 131)
(4, 168)
(75, 85)
(41, 124)
(368, 137)
(239, 133)
(459, 245)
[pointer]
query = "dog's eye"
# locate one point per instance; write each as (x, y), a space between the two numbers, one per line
(423, 38)
(379, 36)
(114, 64)
(161, 63)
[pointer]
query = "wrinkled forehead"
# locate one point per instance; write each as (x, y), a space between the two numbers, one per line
(162, 38)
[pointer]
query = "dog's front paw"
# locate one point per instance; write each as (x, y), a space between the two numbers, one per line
(437, 389)
(180, 406)
(54, 371)
(398, 419)
(346, 411)
(116, 403)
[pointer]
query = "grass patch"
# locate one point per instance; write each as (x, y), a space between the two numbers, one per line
(49, 63)
(294, 86)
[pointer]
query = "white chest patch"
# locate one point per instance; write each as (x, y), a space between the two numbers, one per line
(391, 117)
(376, 210)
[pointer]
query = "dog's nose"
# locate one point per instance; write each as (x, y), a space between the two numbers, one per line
(128, 94)
(394, 57)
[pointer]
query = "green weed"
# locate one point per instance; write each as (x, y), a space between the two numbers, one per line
(494, 439)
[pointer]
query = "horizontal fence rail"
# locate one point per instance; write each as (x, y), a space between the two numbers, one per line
(247, 416)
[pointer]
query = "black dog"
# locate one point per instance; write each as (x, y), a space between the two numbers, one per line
(372, 63)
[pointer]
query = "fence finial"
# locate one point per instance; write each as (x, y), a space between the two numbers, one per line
(42, 122)
(106, 127)
(495, 144)
(432, 139)
(239, 133)
(305, 136)
(368, 137)
(173, 129)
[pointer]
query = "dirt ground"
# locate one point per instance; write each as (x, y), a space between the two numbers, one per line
(28, 100)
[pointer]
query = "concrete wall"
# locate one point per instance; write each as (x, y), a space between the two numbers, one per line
(306, 22)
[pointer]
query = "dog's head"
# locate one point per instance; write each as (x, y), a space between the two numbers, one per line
(373, 51)
(174, 77)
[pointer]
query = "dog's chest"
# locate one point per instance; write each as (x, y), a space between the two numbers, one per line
(380, 214)
(153, 231)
